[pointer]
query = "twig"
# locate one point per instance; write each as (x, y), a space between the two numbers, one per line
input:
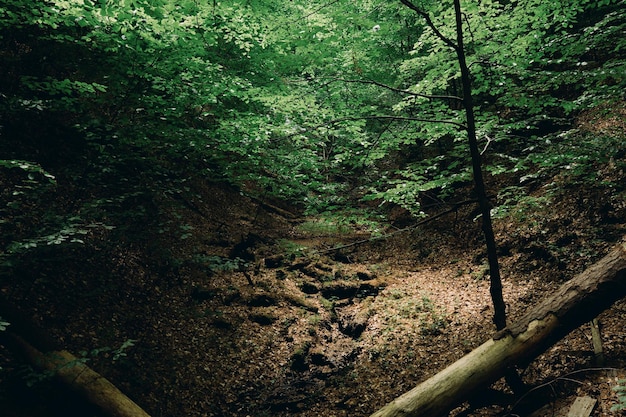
(454, 208)
(401, 91)
(396, 118)
(550, 383)
(489, 140)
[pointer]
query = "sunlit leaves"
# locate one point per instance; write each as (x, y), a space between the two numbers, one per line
(30, 168)
(276, 93)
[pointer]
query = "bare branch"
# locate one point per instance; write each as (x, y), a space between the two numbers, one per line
(401, 91)
(489, 140)
(384, 117)
(455, 207)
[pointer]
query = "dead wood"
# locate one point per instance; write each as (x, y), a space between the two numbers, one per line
(36, 346)
(578, 301)
(77, 376)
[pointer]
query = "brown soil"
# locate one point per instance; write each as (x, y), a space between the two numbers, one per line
(319, 333)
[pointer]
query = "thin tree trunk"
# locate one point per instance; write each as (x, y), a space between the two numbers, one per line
(577, 302)
(495, 289)
(499, 317)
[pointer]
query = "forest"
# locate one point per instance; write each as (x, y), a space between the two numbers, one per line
(312, 208)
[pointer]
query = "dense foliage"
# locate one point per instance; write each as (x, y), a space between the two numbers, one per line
(327, 104)
(136, 136)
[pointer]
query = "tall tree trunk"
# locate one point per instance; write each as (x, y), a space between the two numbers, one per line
(577, 302)
(499, 306)
(499, 317)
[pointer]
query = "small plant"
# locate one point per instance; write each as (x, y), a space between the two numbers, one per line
(435, 326)
(291, 249)
(380, 267)
(329, 305)
(410, 310)
(121, 351)
(219, 263)
(287, 322)
(32, 377)
(315, 319)
(115, 354)
(482, 273)
(517, 205)
(620, 390)
(323, 227)
(30, 167)
(396, 294)
(186, 229)
(427, 303)
(298, 358)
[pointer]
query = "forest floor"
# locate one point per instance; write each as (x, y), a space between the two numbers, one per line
(236, 307)
(320, 332)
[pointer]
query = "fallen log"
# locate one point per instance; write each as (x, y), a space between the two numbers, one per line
(576, 302)
(73, 372)
(40, 349)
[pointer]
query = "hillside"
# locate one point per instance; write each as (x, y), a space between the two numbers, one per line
(321, 331)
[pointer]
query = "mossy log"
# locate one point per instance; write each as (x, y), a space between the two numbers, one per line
(576, 302)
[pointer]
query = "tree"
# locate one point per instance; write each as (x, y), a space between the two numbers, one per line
(483, 201)
(316, 108)
(489, 79)
(519, 88)
(110, 110)
(130, 98)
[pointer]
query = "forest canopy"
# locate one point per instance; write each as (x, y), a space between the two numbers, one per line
(310, 101)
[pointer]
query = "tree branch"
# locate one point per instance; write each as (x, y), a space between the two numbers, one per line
(430, 24)
(455, 207)
(384, 117)
(401, 91)
(394, 118)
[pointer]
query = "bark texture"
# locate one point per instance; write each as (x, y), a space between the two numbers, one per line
(578, 301)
